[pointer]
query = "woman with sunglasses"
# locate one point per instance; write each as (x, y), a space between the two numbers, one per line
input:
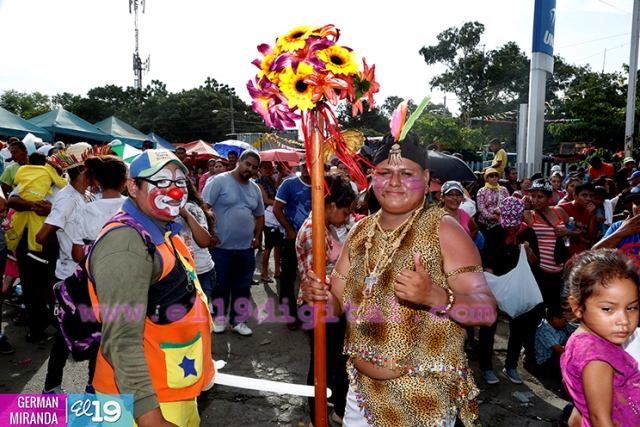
(488, 200)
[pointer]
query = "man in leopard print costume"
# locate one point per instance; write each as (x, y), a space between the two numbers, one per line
(410, 280)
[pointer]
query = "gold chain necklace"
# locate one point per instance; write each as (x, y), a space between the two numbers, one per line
(384, 259)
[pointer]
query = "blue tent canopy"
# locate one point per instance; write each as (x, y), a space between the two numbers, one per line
(62, 122)
(161, 143)
(122, 131)
(12, 125)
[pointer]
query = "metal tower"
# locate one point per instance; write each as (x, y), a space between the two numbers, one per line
(138, 65)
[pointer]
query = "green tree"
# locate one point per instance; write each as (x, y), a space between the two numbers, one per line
(199, 113)
(598, 101)
(484, 82)
(449, 133)
(496, 81)
(25, 105)
(65, 100)
(391, 103)
(370, 123)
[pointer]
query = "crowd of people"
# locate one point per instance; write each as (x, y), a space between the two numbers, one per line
(405, 282)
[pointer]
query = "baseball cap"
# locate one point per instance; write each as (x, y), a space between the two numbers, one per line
(628, 160)
(633, 194)
(147, 143)
(634, 175)
(541, 185)
(151, 161)
(451, 185)
(555, 168)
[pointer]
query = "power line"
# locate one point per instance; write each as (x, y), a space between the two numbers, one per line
(592, 41)
(615, 7)
(600, 53)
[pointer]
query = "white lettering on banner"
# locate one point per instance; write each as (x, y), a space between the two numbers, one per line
(553, 16)
(33, 418)
(548, 38)
(37, 402)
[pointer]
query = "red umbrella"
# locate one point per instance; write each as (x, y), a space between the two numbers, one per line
(202, 150)
(281, 155)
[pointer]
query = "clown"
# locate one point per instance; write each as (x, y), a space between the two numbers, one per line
(163, 358)
(164, 200)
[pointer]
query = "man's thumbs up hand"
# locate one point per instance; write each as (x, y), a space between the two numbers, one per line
(417, 287)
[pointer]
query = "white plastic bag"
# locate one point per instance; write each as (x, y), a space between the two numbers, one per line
(517, 291)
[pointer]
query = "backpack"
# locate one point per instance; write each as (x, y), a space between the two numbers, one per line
(73, 308)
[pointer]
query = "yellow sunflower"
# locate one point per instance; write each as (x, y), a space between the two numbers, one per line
(265, 66)
(295, 89)
(339, 60)
(294, 39)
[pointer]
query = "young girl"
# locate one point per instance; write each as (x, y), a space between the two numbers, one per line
(110, 174)
(197, 230)
(602, 378)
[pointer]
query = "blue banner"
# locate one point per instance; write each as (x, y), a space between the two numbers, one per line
(544, 23)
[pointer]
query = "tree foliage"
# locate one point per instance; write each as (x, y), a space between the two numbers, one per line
(598, 101)
(200, 113)
(24, 104)
(497, 81)
(484, 82)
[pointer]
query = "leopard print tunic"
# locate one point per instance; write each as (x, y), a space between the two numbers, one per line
(437, 385)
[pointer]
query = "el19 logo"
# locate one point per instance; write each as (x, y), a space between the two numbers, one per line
(88, 410)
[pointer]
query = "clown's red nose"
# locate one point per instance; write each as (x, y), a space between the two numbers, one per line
(175, 193)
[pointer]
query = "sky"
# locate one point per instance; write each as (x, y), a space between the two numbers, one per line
(75, 45)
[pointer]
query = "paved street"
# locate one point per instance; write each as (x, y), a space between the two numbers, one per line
(275, 353)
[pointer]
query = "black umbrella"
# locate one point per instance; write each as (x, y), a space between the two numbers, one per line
(448, 168)
(366, 150)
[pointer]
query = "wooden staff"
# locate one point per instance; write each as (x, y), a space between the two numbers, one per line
(319, 267)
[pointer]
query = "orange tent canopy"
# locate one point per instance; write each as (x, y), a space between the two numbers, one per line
(202, 150)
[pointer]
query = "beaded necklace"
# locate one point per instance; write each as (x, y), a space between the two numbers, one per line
(385, 258)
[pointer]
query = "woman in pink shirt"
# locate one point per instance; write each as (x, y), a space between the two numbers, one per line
(453, 196)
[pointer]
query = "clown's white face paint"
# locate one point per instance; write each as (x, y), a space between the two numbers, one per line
(167, 202)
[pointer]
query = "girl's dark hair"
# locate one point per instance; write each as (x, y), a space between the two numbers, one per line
(600, 190)
(613, 188)
(195, 198)
(37, 159)
(572, 179)
(109, 171)
(537, 175)
(592, 269)
(338, 190)
(583, 186)
(75, 171)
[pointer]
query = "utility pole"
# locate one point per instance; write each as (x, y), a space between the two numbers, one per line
(633, 74)
(138, 65)
(544, 22)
